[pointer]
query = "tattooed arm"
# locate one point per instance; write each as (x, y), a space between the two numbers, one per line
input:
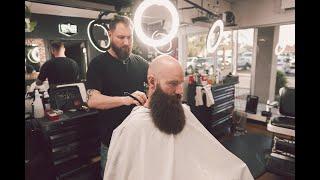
(97, 100)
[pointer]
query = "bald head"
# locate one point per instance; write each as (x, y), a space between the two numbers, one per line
(165, 71)
(163, 66)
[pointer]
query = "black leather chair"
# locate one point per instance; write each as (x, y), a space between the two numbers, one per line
(282, 158)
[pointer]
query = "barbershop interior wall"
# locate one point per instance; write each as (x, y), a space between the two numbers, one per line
(254, 13)
(47, 29)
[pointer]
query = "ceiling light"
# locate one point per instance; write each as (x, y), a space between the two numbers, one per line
(169, 50)
(92, 41)
(211, 47)
(138, 22)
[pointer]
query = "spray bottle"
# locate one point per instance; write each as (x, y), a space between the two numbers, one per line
(38, 111)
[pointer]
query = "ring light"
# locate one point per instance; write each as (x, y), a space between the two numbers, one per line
(33, 55)
(212, 48)
(170, 43)
(94, 43)
(281, 46)
(138, 22)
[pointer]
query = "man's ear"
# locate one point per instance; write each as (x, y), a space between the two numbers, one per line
(109, 33)
(151, 82)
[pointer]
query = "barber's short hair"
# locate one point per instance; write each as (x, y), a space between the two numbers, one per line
(56, 45)
(120, 19)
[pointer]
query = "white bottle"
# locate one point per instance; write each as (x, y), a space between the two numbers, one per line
(38, 106)
(46, 101)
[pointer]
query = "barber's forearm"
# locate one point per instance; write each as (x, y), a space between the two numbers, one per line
(99, 101)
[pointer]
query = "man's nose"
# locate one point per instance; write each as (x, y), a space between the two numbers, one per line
(179, 89)
(126, 42)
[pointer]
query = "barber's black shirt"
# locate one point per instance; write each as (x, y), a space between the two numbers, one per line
(60, 70)
(113, 77)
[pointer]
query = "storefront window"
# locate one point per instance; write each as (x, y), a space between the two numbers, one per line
(243, 65)
(197, 45)
(286, 59)
(197, 57)
(224, 53)
(196, 52)
(244, 61)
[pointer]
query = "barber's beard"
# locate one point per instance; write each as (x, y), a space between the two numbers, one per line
(167, 111)
(122, 52)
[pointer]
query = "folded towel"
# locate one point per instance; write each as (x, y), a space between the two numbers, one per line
(198, 97)
(210, 100)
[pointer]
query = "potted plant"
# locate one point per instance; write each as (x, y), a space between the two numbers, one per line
(281, 81)
(29, 25)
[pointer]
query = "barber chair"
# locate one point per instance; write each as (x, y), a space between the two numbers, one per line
(282, 158)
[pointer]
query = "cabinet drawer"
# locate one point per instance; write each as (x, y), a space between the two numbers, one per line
(218, 91)
(64, 138)
(223, 107)
(65, 150)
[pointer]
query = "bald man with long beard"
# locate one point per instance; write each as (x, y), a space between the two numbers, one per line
(163, 140)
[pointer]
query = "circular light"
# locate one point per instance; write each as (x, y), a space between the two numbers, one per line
(93, 42)
(280, 46)
(170, 44)
(138, 22)
(33, 55)
(212, 48)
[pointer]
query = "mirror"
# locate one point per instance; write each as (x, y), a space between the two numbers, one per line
(35, 56)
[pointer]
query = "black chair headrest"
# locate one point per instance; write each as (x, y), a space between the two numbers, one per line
(287, 101)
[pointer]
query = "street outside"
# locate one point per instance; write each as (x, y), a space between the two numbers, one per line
(243, 89)
(245, 78)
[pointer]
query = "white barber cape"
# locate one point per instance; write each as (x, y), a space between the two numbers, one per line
(140, 151)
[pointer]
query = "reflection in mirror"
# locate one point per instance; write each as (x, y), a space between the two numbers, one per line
(153, 22)
(34, 57)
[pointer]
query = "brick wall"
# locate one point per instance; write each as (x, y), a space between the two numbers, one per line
(40, 44)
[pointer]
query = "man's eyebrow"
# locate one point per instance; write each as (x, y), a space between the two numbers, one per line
(174, 81)
(124, 36)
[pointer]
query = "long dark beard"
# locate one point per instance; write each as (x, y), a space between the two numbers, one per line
(167, 112)
(122, 52)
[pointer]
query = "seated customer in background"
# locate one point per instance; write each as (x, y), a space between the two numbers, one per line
(163, 140)
(60, 69)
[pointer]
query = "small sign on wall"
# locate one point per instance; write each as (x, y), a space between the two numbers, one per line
(68, 29)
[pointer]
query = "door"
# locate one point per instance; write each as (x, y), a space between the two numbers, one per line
(76, 50)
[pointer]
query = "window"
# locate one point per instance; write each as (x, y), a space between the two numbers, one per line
(197, 45)
(244, 62)
(286, 60)
(197, 59)
(197, 53)
(245, 47)
(224, 53)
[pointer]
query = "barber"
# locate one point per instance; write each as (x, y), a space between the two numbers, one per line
(115, 81)
(60, 69)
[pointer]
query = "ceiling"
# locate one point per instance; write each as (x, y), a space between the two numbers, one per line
(39, 8)
(124, 3)
(80, 4)
(92, 8)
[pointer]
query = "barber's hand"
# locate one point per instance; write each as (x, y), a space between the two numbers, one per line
(140, 96)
